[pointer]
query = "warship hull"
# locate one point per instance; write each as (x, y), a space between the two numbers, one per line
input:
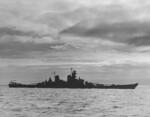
(99, 86)
(127, 86)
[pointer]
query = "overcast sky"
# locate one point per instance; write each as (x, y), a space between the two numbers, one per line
(106, 41)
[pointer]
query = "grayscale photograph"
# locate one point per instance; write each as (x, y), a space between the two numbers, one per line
(74, 58)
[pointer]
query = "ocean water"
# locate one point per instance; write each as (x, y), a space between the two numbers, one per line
(26, 102)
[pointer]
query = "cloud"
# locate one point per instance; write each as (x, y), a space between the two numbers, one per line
(141, 40)
(116, 32)
(19, 46)
(80, 18)
(118, 22)
(14, 32)
(143, 49)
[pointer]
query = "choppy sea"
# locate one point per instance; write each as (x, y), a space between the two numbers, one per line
(26, 102)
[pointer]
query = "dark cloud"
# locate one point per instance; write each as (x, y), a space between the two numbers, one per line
(117, 31)
(14, 49)
(12, 31)
(143, 40)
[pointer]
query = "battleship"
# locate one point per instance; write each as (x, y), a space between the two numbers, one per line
(72, 82)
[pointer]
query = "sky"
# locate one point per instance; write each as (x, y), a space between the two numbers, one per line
(105, 41)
